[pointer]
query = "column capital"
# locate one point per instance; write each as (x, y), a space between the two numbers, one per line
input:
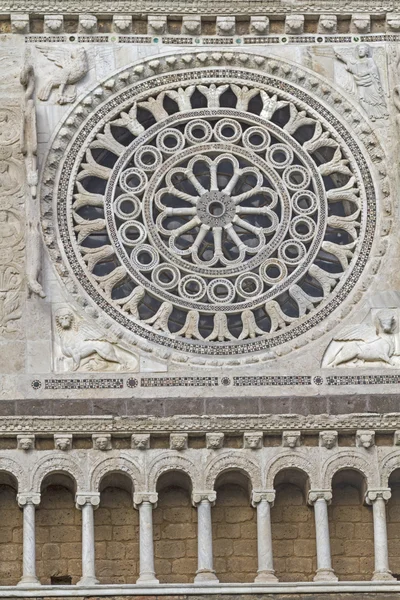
(140, 497)
(82, 498)
(25, 498)
(314, 495)
(374, 494)
(266, 495)
(209, 496)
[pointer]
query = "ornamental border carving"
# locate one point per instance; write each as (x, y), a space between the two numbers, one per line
(291, 460)
(387, 465)
(12, 467)
(57, 462)
(233, 461)
(294, 77)
(171, 461)
(349, 459)
(115, 464)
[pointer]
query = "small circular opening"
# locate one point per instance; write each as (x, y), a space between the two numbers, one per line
(133, 181)
(170, 141)
(256, 139)
(216, 209)
(198, 132)
(292, 251)
(148, 158)
(192, 288)
(228, 132)
(144, 258)
(273, 272)
(279, 156)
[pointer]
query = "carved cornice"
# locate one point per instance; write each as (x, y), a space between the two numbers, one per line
(205, 7)
(12, 426)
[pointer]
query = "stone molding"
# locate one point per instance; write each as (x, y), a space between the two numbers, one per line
(199, 7)
(268, 423)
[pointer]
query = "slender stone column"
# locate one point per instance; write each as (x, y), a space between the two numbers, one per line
(87, 503)
(145, 502)
(320, 499)
(28, 503)
(205, 564)
(378, 499)
(263, 500)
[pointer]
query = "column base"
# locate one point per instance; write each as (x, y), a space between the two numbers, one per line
(266, 577)
(325, 575)
(382, 576)
(88, 581)
(205, 575)
(147, 579)
(29, 581)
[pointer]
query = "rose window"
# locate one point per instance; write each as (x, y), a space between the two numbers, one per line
(215, 217)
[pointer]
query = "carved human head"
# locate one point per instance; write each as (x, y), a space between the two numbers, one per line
(141, 441)
(328, 439)
(3, 167)
(3, 216)
(363, 50)
(178, 441)
(215, 440)
(102, 442)
(290, 439)
(64, 318)
(253, 441)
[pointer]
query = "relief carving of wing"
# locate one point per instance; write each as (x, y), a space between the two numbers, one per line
(91, 332)
(361, 333)
(59, 56)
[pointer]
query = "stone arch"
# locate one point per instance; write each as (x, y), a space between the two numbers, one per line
(291, 461)
(174, 462)
(57, 463)
(348, 460)
(14, 468)
(120, 464)
(233, 461)
(390, 463)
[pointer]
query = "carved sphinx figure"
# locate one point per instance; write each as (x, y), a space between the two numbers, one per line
(364, 343)
(87, 346)
(367, 81)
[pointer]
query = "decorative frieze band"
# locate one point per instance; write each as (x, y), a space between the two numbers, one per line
(27, 427)
(222, 20)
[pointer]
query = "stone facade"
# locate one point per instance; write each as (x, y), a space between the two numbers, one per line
(199, 299)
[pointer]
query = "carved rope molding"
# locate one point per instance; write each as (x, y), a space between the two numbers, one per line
(29, 469)
(121, 89)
